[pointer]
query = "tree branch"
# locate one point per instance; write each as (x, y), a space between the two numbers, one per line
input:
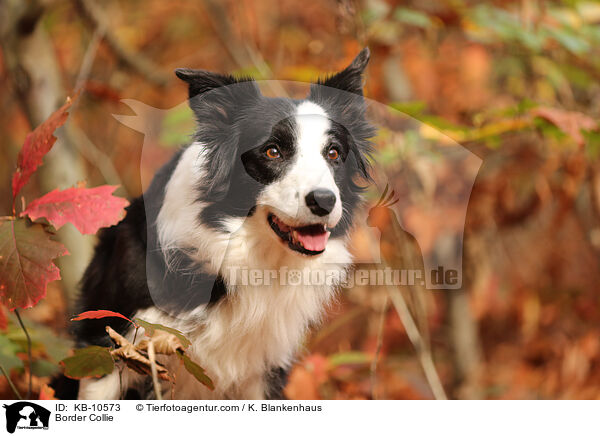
(135, 61)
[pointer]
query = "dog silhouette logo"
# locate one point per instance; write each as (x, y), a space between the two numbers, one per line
(26, 415)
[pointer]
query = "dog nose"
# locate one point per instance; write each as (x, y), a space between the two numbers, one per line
(320, 201)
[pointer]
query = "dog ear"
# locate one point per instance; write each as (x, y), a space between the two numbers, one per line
(217, 94)
(218, 102)
(201, 81)
(351, 78)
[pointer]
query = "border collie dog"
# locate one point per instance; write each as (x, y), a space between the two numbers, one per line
(268, 185)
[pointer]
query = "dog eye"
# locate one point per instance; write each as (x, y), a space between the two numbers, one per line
(273, 153)
(333, 153)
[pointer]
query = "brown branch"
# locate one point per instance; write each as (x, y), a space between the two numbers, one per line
(135, 61)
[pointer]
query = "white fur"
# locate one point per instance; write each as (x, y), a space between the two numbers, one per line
(256, 328)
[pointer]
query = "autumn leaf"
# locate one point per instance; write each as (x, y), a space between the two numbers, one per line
(88, 209)
(164, 343)
(135, 358)
(26, 267)
(37, 144)
(196, 370)
(150, 328)
(92, 361)
(97, 314)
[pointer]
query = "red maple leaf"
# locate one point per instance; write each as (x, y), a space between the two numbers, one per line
(37, 144)
(26, 267)
(88, 209)
(96, 314)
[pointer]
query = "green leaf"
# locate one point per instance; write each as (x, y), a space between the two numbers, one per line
(176, 126)
(412, 108)
(592, 144)
(44, 368)
(196, 370)
(150, 328)
(412, 17)
(43, 339)
(349, 358)
(569, 40)
(93, 361)
(8, 354)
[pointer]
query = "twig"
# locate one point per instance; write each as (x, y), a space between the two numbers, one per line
(135, 61)
(88, 59)
(10, 383)
(423, 351)
(85, 146)
(412, 331)
(96, 157)
(137, 327)
(373, 368)
(28, 351)
(152, 356)
(121, 382)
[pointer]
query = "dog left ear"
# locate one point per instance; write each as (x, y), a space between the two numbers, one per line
(351, 78)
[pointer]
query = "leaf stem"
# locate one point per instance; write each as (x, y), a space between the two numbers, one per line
(135, 333)
(154, 371)
(28, 352)
(10, 383)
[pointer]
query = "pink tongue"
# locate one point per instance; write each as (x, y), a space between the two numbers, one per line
(314, 242)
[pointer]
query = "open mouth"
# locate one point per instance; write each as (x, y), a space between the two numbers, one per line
(310, 240)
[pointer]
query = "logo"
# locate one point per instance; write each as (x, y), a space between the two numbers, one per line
(26, 415)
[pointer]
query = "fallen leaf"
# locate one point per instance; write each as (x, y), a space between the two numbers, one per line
(135, 358)
(26, 267)
(88, 209)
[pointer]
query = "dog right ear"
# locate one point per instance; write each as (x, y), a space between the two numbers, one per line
(201, 81)
(217, 102)
(213, 93)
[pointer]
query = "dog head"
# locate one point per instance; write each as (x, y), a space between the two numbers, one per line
(292, 163)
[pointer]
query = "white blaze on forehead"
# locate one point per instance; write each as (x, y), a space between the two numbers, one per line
(313, 124)
(312, 168)
(309, 170)
(312, 127)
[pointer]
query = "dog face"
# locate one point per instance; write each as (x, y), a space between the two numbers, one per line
(293, 163)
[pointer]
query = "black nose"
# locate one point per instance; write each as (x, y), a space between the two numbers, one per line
(320, 201)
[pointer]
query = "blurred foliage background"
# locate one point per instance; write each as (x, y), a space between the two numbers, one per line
(515, 82)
